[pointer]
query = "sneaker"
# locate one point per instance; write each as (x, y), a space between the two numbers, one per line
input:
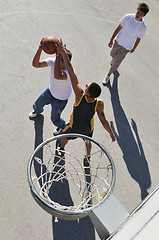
(61, 151)
(58, 143)
(86, 161)
(33, 114)
(106, 80)
(57, 131)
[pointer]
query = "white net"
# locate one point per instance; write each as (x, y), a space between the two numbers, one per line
(65, 181)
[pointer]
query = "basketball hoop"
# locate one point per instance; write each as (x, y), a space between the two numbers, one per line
(62, 185)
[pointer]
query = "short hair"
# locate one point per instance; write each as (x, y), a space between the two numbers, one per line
(69, 54)
(94, 90)
(143, 7)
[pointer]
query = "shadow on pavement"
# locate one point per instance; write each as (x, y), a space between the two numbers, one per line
(133, 153)
(62, 229)
(38, 125)
(81, 229)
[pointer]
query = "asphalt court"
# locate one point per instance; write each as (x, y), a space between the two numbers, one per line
(131, 105)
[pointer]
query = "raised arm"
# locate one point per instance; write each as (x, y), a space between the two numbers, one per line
(37, 63)
(74, 80)
(103, 120)
(58, 73)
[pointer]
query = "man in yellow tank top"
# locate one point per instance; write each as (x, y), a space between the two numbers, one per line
(84, 108)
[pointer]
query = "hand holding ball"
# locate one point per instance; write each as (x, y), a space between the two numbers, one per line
(48, 44)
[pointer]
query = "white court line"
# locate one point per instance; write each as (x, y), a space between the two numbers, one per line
(43, 12)
(102, 9)
(67, 14)
(17, 36)
(57, 13)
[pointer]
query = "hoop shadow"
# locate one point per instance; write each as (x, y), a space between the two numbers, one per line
(133, 153)
(62, 229)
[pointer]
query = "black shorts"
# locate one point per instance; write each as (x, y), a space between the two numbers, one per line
(68, 130)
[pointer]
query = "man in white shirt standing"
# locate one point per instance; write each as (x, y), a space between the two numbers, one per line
(129, 32)
(59, 90)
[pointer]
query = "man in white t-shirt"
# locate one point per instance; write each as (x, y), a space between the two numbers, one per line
(129, 32)
(59, 90)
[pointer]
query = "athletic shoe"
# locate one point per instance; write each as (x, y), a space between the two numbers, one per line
(61, 151)
(86, 161)
(57, 131)
(106, 80)
(33, 114)
(58, 143)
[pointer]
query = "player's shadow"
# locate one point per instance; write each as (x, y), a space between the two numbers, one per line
(38, 126)
(65, 229)
(131, 146)
(79, 229)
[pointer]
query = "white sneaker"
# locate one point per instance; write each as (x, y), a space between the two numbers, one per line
(57, 131)
(106, 80)
(61, 151)
(33, 114)
(86, 161)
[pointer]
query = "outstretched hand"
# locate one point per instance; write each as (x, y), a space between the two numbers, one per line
(112, 136)
(61, 47)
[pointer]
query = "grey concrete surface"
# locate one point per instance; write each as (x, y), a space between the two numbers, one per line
(131, 105)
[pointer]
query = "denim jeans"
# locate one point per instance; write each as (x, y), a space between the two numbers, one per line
(57, 107)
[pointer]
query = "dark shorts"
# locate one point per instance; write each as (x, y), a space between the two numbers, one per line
(68, 130)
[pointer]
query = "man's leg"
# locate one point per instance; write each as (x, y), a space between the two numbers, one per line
(117, 53)
(42, 100)
(119, 57)
(88, 147)
(113, 53)
(86, 160)
(57, 108)
(61, 147)
(64, 141)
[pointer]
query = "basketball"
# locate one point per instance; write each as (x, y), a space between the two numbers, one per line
(48, 44)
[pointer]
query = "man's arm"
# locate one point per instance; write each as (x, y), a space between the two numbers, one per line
(58, 73)
(37, 63)
(117, 30)
(74, 80)
(103, 120)
(135, 45)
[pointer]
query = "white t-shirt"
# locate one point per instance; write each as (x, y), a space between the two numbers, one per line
(60, 89)
(131, 29)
